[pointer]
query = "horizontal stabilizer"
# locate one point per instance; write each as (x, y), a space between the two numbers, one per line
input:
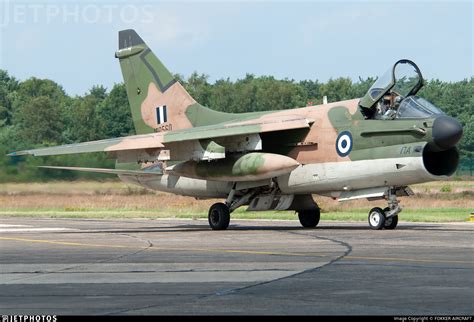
(151, 172)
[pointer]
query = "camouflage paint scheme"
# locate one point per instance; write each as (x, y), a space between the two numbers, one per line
(330, 149)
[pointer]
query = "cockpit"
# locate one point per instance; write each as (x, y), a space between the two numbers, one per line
(392, 96)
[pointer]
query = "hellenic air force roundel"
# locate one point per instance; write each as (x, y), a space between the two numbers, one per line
(161, 114)
(344, 143)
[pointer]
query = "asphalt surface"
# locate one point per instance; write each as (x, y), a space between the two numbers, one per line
(52, 266)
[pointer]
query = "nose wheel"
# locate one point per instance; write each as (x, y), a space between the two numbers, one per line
(390, 222)
(388, 217)
(376, 218)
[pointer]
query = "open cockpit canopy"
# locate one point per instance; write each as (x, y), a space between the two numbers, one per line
(393, 95)
(403, 78)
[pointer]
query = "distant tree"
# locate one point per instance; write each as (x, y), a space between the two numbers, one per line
(38, 112)
(8, 88)
(114, 115)
(84, 124)
(223, 95)
(275, 94)
(98, 91)
(312, 90)
(360, 88)
(39, 120)
(337, 89)
(199, 88)
(35, 87)
(245, 97)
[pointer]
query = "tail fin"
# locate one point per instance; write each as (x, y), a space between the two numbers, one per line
(158, 101)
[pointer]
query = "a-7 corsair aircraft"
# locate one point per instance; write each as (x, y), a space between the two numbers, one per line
(371, 148)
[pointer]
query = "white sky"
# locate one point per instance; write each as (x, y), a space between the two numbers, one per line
(73, 42)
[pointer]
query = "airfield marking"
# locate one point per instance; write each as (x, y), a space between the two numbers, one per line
(54, 242)
(388, 259)
(395, 259)
(12, 226)
(26, 230)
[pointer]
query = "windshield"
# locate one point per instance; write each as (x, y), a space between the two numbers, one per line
(416, 107)
(381, 84)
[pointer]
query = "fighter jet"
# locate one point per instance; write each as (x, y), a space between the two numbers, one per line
(372, 147)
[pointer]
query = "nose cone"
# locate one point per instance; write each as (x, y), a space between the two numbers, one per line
(447, 131)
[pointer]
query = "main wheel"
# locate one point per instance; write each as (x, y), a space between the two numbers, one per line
(309, 218)
(391, 222)
(376, 218)
(219, 216)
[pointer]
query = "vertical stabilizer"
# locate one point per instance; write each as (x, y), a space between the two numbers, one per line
(158, 102)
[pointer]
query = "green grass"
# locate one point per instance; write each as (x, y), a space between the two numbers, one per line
(425, 215)
(444, 201)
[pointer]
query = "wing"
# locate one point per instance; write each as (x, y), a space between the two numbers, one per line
(199, 143)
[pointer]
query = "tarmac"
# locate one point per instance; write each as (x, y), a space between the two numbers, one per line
(181, 267)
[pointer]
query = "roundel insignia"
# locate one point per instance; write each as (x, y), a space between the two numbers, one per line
(344, 143)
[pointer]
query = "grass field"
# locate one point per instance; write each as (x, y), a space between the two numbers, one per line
(444, 201)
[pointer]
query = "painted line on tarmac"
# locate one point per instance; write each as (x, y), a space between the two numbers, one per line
(28, 230)
(13, 226)
(154, 248)
(398, 259)
(205, 250)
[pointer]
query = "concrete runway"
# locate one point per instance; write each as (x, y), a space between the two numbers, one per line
(52, 266)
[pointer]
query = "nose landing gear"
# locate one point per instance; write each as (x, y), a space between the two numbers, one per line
(388, 217)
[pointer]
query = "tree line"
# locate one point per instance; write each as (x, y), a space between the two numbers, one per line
(38, 112)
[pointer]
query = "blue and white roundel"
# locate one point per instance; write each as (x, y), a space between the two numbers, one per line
(344, 143)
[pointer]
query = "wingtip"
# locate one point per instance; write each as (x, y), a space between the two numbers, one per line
(18, 153)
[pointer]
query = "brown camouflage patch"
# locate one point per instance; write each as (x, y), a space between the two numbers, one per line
(175, 98)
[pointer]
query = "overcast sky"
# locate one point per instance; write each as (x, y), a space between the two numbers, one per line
(73, 42)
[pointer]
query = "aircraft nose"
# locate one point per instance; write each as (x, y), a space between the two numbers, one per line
(447, 131)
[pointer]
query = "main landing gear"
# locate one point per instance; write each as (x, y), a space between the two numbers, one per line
(388, 217)
(309, 218)
(219, 216)
(261, 199)
(219, 213)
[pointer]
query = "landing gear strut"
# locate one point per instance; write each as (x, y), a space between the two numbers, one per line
(388, 217)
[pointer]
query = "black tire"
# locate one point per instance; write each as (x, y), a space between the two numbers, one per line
(376, 218)
(391, 222)
(309, 218)
(219, 216)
